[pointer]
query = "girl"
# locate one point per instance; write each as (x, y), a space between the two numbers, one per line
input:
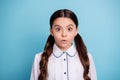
(65, 56)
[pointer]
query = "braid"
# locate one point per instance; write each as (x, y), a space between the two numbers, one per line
(45, 57)
(82, 52)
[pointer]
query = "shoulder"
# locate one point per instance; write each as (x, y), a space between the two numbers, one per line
(90, 56)
(38, 56)
(91, 59)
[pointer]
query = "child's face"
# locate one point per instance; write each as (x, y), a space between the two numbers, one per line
(63, 30)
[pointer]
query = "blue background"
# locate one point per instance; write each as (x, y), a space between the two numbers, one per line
(24, 28)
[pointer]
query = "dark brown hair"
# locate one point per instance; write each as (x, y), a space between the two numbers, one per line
(80, 46)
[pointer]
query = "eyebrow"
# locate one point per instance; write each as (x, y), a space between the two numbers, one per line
(70, 25)
(56, 25)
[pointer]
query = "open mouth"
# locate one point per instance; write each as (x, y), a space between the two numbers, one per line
(64, 41)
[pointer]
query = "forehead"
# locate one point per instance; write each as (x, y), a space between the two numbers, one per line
(63, 21)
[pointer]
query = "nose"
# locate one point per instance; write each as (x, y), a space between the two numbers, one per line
(64, 33)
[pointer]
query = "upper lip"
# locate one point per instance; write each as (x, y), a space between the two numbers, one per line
(64, 40)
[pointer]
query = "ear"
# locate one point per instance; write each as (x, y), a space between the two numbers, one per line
(51, 32)
(76, 32)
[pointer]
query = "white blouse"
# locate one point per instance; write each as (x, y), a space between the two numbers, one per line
(63, 65)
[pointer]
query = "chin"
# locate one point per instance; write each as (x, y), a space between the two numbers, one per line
(64, 46)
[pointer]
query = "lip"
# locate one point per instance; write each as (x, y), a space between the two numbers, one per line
(64, 41)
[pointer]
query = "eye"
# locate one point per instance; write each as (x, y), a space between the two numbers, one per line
(69, 29)
(57, 29)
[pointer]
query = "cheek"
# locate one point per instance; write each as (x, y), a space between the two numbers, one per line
(56, 37)
(71, 37)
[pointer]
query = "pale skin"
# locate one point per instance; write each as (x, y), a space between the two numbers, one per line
(63, 30)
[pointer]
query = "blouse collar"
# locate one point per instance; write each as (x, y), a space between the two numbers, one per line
(58, 53)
